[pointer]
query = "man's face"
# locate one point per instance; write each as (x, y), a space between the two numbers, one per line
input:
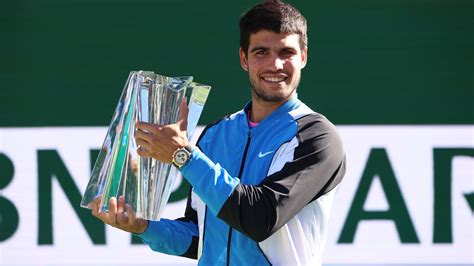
(274, 62)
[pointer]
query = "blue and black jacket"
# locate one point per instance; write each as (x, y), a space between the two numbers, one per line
(260, 195)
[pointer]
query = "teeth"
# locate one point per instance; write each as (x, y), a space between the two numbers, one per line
(274, 79)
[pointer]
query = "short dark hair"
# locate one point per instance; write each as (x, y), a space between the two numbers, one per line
(275, 16)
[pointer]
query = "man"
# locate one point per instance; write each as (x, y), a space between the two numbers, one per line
(263, 179)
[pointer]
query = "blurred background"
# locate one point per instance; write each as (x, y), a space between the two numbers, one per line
(396, 78)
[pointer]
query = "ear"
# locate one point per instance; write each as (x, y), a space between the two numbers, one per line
(304, 57)
(243, 60)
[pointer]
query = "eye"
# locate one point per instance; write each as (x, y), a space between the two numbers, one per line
(287, 52)
(261, 52)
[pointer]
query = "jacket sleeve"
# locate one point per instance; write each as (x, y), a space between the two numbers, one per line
(317, 166)
(174, 237)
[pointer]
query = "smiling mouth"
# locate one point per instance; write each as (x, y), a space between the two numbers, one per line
(274, 79)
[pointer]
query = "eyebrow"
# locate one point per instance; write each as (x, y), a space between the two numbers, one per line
(263, 48)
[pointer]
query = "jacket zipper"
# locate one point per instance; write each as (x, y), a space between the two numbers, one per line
(229, 238)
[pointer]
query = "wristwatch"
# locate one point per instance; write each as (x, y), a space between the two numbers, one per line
(181, 156)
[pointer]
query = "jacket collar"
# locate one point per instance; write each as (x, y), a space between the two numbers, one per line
(288, 106)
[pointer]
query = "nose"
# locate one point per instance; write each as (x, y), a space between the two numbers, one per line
(277, 63)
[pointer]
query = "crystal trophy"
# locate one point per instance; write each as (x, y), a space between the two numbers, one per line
(119, 171)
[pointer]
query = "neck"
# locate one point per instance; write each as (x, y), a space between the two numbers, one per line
(261, 109)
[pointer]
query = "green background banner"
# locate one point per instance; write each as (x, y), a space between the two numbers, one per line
(64, 63)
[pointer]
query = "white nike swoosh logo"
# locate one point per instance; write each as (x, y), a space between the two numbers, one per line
(260, 155)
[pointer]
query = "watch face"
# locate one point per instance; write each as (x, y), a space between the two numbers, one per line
(181, 157)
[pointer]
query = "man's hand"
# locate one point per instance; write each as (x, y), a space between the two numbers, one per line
(120, 215)
(160, 142)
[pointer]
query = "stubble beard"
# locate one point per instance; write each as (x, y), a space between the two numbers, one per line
(277, 97)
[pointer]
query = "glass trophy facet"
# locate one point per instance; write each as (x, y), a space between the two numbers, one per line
(144, 182)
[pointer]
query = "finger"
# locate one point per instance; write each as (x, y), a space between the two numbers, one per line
(113, 210)
(142, 152)
(121, 203)
(183, 115)
(131, 214)
(142, 136)
(143, 144)
(143, 126)
(123, 219)
(95, 205)
(120, 212)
